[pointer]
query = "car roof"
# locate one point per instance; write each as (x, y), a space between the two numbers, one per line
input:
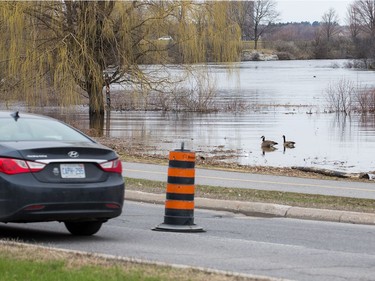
(11, 114)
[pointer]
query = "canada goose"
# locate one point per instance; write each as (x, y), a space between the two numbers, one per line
(267, 143)
(289, 144)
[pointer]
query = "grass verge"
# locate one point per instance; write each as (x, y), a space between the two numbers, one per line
(264, 196)
(26, 262)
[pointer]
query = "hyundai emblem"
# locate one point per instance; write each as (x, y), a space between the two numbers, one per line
(73, 154)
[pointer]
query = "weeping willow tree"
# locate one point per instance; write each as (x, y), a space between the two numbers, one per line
(67, 51)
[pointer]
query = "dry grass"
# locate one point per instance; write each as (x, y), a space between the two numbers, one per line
(145, 271)
(263, 196)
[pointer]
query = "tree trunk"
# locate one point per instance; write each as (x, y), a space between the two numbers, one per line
(97, 123)
(96, 107)
(107, 123)
(256, 37)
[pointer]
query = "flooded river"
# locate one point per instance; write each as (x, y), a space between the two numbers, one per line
(285, 98)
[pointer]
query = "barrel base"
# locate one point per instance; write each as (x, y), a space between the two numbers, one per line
(178, 228)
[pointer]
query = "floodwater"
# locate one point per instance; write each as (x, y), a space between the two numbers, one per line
(285, 98)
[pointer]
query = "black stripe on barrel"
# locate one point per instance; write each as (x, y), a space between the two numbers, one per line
(181, 164)
(179, 216)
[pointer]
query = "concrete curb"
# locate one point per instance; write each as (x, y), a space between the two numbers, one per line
(262, 209)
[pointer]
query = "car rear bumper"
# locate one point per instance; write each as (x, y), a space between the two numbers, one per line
(38, 201)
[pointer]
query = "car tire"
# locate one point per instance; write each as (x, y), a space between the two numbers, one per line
(86, 228)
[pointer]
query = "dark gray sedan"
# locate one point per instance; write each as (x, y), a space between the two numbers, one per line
(50, 171)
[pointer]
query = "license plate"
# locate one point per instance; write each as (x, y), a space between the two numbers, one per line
(72, 171)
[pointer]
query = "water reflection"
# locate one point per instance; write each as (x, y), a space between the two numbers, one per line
(285, 148)
(367, 122)
(268, 149)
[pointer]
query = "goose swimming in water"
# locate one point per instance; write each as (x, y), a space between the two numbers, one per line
(267, 143)
(289, 144)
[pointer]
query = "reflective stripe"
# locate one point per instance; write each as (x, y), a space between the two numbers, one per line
(179, 205)
(182, 156)
(180, 189)
(184, 173)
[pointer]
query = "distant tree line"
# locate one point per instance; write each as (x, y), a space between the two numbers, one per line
(354, 39)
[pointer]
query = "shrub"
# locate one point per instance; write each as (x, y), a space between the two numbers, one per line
(341, 96)
(366, 100)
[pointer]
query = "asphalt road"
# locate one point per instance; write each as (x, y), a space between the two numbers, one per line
(257, 181)
(277, 247)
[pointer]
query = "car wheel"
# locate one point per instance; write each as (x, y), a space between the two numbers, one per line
(86, 228)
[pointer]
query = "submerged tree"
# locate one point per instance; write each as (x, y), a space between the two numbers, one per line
(340, 96)
(69, 50)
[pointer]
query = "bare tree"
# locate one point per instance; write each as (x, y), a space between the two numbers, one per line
(353, 22)
(324, 35)
(362, 23)
(364, 12)
(366, 100)
(330, 26)
(265, 14)
(242, 12)
(340, 96)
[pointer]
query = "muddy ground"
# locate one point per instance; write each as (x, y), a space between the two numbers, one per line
(133, 151)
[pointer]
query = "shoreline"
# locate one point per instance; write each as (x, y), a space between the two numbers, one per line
(137, 153)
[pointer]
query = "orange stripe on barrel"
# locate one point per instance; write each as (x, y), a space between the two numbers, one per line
(180, 189)
(182, 156)
(182, 173)
(180, 205)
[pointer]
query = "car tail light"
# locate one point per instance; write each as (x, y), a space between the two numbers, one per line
(113, 166)
(34, 208)
(16, 166)
(113, 206)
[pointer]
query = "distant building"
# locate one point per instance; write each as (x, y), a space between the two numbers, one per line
(165, 38)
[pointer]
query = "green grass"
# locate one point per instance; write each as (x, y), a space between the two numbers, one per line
(22, 262)
(13, 270)
(253, 195)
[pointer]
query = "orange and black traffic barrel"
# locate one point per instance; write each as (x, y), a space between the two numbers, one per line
(179, 203)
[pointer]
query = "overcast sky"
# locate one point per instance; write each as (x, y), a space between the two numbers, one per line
(309, 10)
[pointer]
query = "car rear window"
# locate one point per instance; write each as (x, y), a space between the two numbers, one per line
(34, 129)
